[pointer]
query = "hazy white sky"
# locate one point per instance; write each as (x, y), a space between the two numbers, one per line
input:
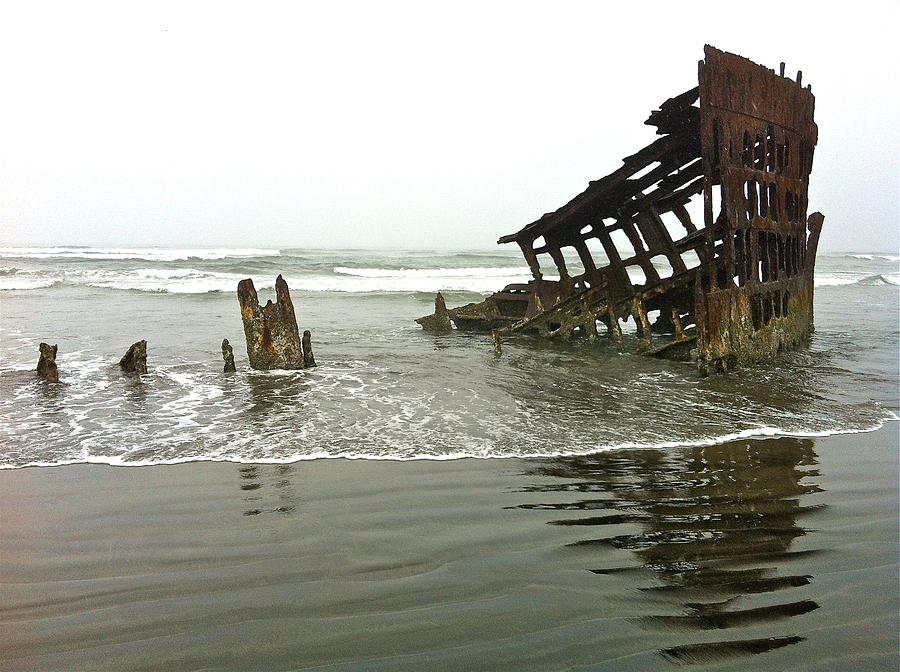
(398, 123)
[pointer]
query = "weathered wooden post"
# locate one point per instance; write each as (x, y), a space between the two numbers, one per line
(498, 342)
(46, 366)
(135, 360)
(309, 360)
(228, 356)
(273, 340)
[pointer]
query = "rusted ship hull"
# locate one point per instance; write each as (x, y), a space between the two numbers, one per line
(732, 289)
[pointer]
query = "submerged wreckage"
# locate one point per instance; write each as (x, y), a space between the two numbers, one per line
(734, 288)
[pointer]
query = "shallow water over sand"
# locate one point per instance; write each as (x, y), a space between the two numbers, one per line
(384, 388)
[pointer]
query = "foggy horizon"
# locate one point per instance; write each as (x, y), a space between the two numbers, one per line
(398, 126)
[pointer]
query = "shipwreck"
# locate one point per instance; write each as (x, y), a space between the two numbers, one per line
(731, 289)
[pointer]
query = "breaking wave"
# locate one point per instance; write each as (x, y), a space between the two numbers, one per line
(196, 281)
(875, 257)
(432, 272)
(20, 283)
(217, 270)
(843, 279)
(146, 254)
(344, 279)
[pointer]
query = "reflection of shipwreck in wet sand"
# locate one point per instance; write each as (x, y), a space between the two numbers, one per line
(735, 288)
(712, 532)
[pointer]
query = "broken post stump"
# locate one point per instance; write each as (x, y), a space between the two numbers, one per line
(228, 356)
(135, 360)
(46, 366)
(440, 321)
(498, 343)
(309, 360)
(273, 340)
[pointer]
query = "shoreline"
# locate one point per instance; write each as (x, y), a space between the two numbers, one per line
(759, 434)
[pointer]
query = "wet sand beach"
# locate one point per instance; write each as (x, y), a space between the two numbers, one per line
(777, 553)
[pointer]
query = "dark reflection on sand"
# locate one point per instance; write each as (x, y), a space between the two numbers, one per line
(713, 529)
(267, 488)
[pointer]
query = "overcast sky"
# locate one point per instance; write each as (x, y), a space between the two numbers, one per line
(398, 124)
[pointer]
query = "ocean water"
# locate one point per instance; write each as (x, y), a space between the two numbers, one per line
(384, 388)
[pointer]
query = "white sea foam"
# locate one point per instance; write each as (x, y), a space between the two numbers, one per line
(23, 283)
(843, 279)
(479, 280)
(433, 272)
(349, 280)
(838, 279)
(172, 281)
(876, 257)
(146, 253)
(476, 451)
(192, 281)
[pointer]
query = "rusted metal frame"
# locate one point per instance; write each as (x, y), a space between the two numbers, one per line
(814, 225)
(649, 232)
(772, 253)
(712, 154)
(614, 329)
(531, 259)
(587, 260)
(666, 168)
(715, 262)
(555, 241)
(676, 121)
(741, 175)
(598, 190)
(733, 207)
(681, 196)
(670, 171)
(679, 328)
(575, 311)
(615, 260)
(574, 239)
(666, 173)
(672, 110)
(647, 202)
(671, 253)
(694, 240)
(784, 178)
(754, 276)
(590, 324)
(668, 284)
(684, 217)
(559, 260)
(783, 186)
(757, 124)
(675, 181)
(747, 273)
(639, 310)
(640, 254)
